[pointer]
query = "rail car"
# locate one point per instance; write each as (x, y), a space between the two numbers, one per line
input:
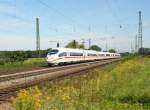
(60, 56)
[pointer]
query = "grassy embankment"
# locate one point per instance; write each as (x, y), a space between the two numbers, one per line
(125, 86)
(21, 66)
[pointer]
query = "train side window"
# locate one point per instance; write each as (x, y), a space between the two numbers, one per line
(90, 54)
(76, 54)
(107, 54)
(101, 55)
(62, 54)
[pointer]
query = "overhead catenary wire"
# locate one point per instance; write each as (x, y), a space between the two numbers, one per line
(19, 18)
(15, 15)
(114, 12)
(72, 21)
(56, 10)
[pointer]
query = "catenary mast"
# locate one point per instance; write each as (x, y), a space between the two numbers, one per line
(140, 45)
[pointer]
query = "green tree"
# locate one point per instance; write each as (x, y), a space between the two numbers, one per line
(81, 46)
(95, 47)
(74, 44)
(112, 51)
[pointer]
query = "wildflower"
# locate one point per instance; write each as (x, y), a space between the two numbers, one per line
(48, 98)
(31, 98)
(65, 97)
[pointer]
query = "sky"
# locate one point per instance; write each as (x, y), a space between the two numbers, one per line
(108, 23)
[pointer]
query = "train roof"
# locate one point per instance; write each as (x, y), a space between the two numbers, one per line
(81, 50)
(68, 49)
(71, 49)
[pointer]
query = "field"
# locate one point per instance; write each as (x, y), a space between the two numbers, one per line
(29, 64)
(123, 86)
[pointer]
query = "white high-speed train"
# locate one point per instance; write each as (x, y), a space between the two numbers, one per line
(60, 56)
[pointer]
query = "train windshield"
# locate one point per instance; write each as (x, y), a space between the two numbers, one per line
(52, 52)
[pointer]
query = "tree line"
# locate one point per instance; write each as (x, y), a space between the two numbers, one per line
(15, 56)
(75, 44)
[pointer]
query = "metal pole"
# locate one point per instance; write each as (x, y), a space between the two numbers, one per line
(89, 43)
(136, 43)
(131, 47)
(57, 44)
(140, 32)
(106, 47)
(89, 28)
(37, 37)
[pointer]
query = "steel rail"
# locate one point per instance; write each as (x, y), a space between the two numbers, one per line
(18, 75)
(7, 87)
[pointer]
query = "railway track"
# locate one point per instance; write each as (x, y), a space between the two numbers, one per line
(11, 83)
(18, 75)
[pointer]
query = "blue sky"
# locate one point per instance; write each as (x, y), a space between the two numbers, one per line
(65, 20)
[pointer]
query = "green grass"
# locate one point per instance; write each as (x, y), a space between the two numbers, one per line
(125, 86)
(21, 66)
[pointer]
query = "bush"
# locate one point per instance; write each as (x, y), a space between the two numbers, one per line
(2, 62)
(144, 51)
(19, 56)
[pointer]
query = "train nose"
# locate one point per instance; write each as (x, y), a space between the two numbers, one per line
(50, 57)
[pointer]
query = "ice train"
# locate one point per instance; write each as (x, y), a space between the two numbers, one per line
(60, 56)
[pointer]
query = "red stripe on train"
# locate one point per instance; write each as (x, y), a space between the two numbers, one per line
(81, 57)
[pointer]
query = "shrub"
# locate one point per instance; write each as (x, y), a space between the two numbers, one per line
(19, 56)
(31, 99)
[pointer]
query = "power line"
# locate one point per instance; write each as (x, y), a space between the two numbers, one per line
(114, 13)
(17, 17)
(55, 10)
(61, 14)
(14, 15)
(57, 43)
